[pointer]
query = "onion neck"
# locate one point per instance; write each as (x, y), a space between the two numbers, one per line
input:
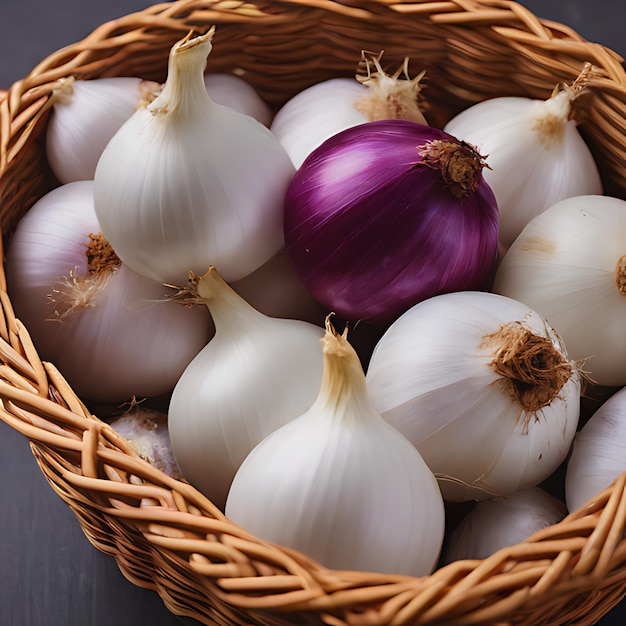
(552, 115)
(531, 370)
(343, 392)
(389, 96)
(459, 164)
(620, 275)
(184, 90)
(226, 306)
(63, 90)
(551, 119)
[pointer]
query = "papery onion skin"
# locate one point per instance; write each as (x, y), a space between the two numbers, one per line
(234, 92)
(85, 115)
(275, 290)
(128, 340)
(536, 153)
(567, 264)
(433, 376)
(599, 452)
(501, 522)
(146, 430)
(317, 113)
(371, 229)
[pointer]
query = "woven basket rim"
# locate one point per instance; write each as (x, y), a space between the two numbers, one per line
(230, 571)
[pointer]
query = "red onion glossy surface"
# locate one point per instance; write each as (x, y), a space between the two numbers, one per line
(389, 213)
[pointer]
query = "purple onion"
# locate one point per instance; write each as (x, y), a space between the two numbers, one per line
(389, 213)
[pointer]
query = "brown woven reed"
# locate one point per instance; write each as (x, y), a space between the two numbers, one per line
(162, 532)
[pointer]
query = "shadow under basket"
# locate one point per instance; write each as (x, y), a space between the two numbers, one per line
(162, 532)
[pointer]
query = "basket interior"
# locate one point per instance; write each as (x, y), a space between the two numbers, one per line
(181, 545)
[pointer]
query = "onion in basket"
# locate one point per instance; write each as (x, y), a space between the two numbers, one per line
(599, 452)
(569, 265)
(256, 374)
(330, 106)
(187, 183)
(501, 522)
(387, 213)
(341, 485)
(147, 432)
(484, 389)
(536, 153)
(111, 332)
(85, 115)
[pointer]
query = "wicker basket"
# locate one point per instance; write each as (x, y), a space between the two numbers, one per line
(162, 532)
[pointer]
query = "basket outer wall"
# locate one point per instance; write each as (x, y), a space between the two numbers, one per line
(163, 533)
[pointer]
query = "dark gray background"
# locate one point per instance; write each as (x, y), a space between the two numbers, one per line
(49, 574)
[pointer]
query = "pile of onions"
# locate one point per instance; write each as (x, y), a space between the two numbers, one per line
(468, 389)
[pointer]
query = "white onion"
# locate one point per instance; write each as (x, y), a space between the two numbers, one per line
(85, 115)
(315, 114)
(322, 110)
(599, 452)
(187, 183)
(341, 485)
(535, 153)
(146, 430)
(121, 338)
(569, 265)
(255, 374)
(275, 290)
(234, 92)
(502, 522)
(484, 389)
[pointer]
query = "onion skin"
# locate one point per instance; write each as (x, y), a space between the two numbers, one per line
(439, 375)
(502, 522)
(146, 431)
(598, 454)
(112, 339)
(371, 233)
